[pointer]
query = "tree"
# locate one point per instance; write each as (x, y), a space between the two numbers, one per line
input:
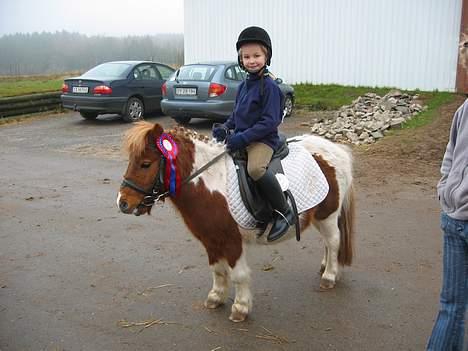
(62, 51)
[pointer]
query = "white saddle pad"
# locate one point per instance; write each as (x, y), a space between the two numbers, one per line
(306, 182)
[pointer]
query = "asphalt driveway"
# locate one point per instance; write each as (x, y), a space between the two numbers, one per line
(75, 274)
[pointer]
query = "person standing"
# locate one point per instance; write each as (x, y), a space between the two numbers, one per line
(448, 331)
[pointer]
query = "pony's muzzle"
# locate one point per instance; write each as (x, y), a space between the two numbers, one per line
(123, 206)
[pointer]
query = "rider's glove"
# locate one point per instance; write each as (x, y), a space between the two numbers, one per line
(219, 132)
(236, 142)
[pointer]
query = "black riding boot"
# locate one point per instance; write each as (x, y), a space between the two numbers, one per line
(284, 216)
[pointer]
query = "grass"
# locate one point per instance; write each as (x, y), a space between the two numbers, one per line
(24, 85)
(313, 97)
(433, 100)
(332, 97)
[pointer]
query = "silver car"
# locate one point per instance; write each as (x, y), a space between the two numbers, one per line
(208, 90)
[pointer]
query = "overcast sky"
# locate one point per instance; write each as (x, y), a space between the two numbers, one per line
(92, 17)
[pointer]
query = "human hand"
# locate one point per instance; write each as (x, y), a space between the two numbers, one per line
(235, 142)
(219, 132)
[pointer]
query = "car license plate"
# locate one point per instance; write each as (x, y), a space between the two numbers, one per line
(81, 90)
(186, 91)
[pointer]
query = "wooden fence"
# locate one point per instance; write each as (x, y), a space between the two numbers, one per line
(20, 105)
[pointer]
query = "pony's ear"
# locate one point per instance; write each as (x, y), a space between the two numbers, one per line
(154, 133)
(157, 130)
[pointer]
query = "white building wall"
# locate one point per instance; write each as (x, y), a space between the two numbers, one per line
(409, 44)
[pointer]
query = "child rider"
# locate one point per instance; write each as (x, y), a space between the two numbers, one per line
(255, 120)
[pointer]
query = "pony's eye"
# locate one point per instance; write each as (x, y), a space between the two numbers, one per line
(145, 164)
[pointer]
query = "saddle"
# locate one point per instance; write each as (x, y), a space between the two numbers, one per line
(259, 208)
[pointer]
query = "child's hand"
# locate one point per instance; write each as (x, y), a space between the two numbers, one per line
(235, 142)
(219, 132)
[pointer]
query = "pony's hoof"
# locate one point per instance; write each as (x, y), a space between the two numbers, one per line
(238, 313)
(213, 301)
(326, 284)
(212, 304)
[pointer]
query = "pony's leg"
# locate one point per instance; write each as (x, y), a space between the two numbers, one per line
(331, 234)
(240, 276)
(324, 260)
(218, 294)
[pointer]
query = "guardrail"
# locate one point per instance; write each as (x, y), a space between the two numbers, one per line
(20, 105)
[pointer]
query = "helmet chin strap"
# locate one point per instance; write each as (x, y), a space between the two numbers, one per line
(257, 71)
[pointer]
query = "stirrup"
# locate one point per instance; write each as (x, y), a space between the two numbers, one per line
(284, 225)
(282, 215)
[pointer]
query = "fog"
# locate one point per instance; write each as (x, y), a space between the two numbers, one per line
(92, 17)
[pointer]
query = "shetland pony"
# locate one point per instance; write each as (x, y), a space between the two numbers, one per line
(202, 202)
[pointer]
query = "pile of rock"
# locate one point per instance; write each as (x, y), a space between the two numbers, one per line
(368, 117)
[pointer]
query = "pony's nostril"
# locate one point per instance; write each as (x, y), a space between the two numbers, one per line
(123, 206)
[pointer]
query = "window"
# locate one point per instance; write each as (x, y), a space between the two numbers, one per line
(230, 73)
(145, 72)
(196, 72)
(109, 70)
(239, 72)
(165, 71)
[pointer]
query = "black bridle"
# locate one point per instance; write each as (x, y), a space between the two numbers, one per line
(158, 192)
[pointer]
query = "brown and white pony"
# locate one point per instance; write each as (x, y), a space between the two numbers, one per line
(202, 202)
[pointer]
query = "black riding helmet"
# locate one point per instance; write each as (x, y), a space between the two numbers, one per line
(254, 35)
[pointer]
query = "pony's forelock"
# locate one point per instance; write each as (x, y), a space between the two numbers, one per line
(134, 142)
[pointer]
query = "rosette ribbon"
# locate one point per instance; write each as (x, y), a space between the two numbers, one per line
(169, 149)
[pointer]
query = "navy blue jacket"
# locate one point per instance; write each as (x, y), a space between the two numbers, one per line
(257, 118)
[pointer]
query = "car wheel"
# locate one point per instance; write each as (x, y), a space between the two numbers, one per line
(88, 115)
(182, 120)
(288, 106)
(134, 110)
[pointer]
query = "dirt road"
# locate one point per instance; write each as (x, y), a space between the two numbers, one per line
(75, 273)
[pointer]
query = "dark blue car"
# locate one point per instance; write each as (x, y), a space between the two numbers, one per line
(127, 88)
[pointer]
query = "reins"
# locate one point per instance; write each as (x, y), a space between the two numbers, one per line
(204, 167)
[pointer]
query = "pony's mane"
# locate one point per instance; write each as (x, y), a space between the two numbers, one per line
(185, 133)
(135, 138)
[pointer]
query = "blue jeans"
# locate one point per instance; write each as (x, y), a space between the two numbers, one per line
(448, 331)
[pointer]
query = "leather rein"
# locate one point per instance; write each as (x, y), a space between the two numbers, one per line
(158, 191)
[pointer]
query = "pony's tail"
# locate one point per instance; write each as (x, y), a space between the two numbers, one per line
(346, 227)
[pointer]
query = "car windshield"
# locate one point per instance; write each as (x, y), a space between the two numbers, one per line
(196, 72)
(110, 70)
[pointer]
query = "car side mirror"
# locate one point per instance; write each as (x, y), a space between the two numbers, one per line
(279, 81)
